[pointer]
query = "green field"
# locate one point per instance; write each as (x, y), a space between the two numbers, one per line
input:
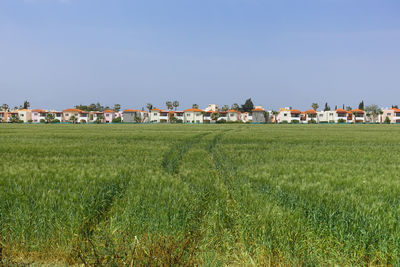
(200, 194)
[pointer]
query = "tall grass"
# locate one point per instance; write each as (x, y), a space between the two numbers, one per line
(200, 194)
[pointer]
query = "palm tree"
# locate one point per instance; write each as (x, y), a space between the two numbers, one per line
(169, 105)
(215, 116)
(73, 119)
(235, 106)
(225, 108)
(149, 107)
(117, 107)
(315, 106)
(49, 117)
(4, 107)
(195, 106)
(275, 113)
(175, 104)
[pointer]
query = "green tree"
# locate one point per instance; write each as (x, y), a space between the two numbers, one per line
(195, 106)
(169, 105)
(27, 105)
(117, 107)
(4, 107)
(327, 107)
(275, 113)
(225, 108)
(175, 104)
(99, 119)
(137, 119)
(215, 116)
(149, 106)
(73, 119)
(235, 106)
(49, 117)
(248, 106)
(315, 106)
(361, 105)
(374, 111)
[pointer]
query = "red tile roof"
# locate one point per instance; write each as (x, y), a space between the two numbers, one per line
(295, 111)
(109, 111)
(258, 109)
(310, 111)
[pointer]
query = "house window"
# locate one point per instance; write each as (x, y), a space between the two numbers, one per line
(330, 114)
(198, 115)
(389, 114)
(155, 114)
(22, 115)
(285, 115)
(107, 115)
(321, 115)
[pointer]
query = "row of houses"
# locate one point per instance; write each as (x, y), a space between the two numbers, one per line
(210, 114)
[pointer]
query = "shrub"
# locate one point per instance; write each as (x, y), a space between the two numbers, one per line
(117, 120)
(387, 120)
(42, 121)
(312, 121)
(221, 121)
(284, 122)
(295, 122)
(341, 121)
(55, 121)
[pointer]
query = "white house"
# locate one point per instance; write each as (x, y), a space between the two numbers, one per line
(309, 116)
(333, 116)
(357, 116)
(193, 115)
(233, 115)
(288, 115)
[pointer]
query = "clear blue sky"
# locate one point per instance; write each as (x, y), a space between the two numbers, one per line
(58, 53)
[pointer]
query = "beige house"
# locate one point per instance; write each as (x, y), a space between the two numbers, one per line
(159, 115)
(193, 115)
(334, 116)
(25, 115)
(393, 114)
(79, 115)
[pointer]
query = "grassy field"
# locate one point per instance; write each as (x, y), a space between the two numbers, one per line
(200, 194)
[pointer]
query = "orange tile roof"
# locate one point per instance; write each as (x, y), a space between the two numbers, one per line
(396, 109)
(193, 109)
(357, 111)
(109, 111)
(39, 110)
(72, 109)
(232, 110)
(130, 110)
(340, 110)
(295, 111)
(310, 111)
(258, 109)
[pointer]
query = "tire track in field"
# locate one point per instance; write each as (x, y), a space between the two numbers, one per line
(99, 206)
(171, 159)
